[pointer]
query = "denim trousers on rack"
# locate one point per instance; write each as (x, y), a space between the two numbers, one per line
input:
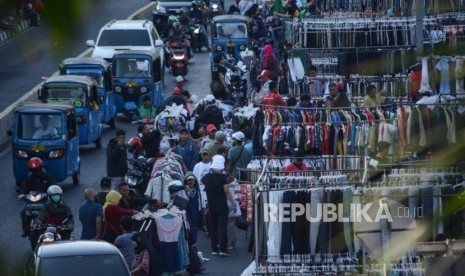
(286, 236)
(316, 198)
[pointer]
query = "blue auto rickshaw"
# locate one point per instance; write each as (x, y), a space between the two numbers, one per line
(99, 70)
(136, 73)
(81, 92)
(47, 131)
(230, 35)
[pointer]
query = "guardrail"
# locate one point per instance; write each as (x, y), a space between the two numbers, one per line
(6, 116)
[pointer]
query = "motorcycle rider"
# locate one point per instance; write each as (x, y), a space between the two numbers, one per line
(56, 211)
(176, 34)
(38, 180)
(197, 15)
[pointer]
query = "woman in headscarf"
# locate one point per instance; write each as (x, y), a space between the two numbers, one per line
(147, 260)
(270, 62)
(194, 216)
(112, 215)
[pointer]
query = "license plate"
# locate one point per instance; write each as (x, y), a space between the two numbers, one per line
(38, 147)
(34, 206)
(230, 44)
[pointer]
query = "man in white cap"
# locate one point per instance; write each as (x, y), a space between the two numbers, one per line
(212, 113)
(180, 82)
(217, 190)
(238, 157)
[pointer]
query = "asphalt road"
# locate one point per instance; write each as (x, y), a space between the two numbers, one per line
(22, 62)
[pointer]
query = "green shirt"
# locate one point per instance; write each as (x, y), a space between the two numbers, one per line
(242, 160)
(145, 112)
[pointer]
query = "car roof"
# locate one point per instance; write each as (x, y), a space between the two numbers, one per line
(72, 78)
(231, 17)
(45, 106)
(85, 60)
(128, 24)
(73, 248)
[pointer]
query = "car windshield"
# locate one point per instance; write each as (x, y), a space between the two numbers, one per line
(94, 73)
(132, 68)
(102, 265)
(124, 38)
(73, 94)
(231, 30)
(39, 126)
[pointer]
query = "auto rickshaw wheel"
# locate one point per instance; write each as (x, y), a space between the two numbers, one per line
(112, 123)
(76, 177)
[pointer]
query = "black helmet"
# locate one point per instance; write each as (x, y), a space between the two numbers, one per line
(176, 27)
(195, 4)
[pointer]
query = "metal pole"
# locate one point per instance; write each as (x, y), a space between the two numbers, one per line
(419, 12)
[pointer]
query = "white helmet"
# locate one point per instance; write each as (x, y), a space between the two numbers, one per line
(54, 193)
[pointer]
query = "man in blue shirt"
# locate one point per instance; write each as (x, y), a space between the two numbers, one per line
(304, 103)
(187, 149)
(90, 215)
(124, 241)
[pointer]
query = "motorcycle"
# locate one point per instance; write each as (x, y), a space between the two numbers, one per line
(215, 8)
(35, 201)
(178, 57)
(49, 232)
(138, 174)
(236, 79)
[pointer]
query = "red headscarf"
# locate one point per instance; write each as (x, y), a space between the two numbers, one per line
(268, 51)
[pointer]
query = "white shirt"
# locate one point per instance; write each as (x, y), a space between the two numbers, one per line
(50, 132)
(201, 169)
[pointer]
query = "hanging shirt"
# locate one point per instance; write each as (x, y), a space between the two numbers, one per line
(443, 67)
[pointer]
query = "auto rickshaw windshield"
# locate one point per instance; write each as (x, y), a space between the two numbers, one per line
(73, 94)
(132, 68)
(39, 126)
(231, 30)
(96, 74)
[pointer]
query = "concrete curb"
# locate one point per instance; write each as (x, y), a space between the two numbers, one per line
(6, 116)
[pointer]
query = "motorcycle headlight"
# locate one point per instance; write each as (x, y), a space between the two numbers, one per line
(48, 237)
(143, 89)
(34, 198)
(130, 180)
(196, 31)
(242, 47)
(56, 154)
(215, 6)
(118, 89)
(180, 57)
(21, 154)
(218, 47)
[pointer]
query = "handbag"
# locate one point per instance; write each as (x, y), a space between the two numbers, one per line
(241, 223)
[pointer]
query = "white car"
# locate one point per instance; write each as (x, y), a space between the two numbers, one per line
(126, 35)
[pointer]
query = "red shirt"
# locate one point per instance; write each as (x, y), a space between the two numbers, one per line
(113, 216)
(178, 90)
(273, 98)
(293, 168)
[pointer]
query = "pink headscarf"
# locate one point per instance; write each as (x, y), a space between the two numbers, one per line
(267, 51)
